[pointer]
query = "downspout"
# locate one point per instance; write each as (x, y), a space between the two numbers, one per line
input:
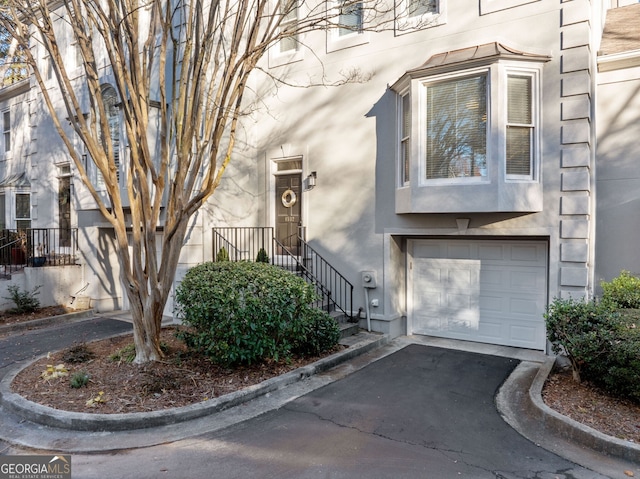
(597, 26)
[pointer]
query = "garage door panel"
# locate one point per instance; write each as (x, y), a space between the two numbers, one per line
(492, 291)
(491, 252)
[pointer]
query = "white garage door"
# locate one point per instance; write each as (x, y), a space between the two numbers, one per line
(479, 290)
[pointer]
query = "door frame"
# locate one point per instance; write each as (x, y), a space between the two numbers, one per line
(278, 167)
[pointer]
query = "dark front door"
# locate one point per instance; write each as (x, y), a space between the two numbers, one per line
(288, 207)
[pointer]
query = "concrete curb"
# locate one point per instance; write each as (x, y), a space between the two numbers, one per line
(520, 403)
(55, 418)
(573, 430)
(50, 321)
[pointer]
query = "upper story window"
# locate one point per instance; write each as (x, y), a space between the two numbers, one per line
(521, 134)
(412, 15)
(288, 47)
(405, 139)
(349, 17)
(348, 20)
(467, 135)
(6, 131)
(112, 108)
(288, 24)
(421, 7)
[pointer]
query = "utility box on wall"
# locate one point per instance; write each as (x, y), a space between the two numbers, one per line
(369, 279)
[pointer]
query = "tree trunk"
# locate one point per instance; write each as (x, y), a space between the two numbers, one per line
(148, 299)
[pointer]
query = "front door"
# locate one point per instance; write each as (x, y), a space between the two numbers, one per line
(288, 207)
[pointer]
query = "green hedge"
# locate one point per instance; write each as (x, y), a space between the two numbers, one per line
(601, 341)
(249, 312)
(623, 291)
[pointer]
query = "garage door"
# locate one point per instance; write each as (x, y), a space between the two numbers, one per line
(485, 291)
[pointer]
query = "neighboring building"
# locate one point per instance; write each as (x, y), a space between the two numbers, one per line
(618, 146)
(460, 175)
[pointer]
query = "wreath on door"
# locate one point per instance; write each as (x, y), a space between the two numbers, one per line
(289, 198)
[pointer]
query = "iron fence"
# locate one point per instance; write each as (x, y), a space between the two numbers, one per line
(38, 247)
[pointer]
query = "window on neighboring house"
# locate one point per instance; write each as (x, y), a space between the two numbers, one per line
(456, 121)
(64, 205)
(405, 136)
(288, 24)
(349, 17)
(3, 212)
(23, 211)
(77, 55)
(111, 106)
(6, 130)
(48, 68)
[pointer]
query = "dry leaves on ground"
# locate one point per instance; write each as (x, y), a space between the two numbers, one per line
(592, 407)
(181, 379)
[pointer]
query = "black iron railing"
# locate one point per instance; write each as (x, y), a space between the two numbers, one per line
(293, 254)
(38, 247)
(242, 243)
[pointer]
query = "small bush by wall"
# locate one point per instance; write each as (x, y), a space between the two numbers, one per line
(601, 342)
(622, 291)
(248, 312)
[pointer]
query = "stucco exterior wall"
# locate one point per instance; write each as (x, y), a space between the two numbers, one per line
(618, 173)
(348, 135)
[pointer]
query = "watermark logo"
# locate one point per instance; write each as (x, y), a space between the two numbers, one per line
(35, 467)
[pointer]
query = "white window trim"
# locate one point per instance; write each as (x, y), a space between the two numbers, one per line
(400, 117)
(15, 219)
(421, 137)
(335, 41)
(407, 24)
(278, 58)
(497, 74)
(7, 153)
(536, 107)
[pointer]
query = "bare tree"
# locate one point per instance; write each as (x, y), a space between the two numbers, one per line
(180, 69)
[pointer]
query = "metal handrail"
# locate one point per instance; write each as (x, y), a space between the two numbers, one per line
(307, 275)
(339, 287)
(243, 243)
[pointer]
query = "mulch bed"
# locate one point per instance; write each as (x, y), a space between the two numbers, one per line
(592, 407)
(181, 379)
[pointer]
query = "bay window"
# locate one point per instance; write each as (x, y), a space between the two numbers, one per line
(468, 137)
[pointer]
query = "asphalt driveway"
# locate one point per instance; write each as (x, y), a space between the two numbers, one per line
(421, 412)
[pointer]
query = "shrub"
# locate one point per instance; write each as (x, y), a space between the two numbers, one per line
(223, 254)
(79, 379)
(248, 312)
(262, 257)
(623, 291)
(25, 301)
(578, 329)
(602, 343)
(315, 333)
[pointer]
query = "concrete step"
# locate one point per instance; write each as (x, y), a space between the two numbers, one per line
(347, 328)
